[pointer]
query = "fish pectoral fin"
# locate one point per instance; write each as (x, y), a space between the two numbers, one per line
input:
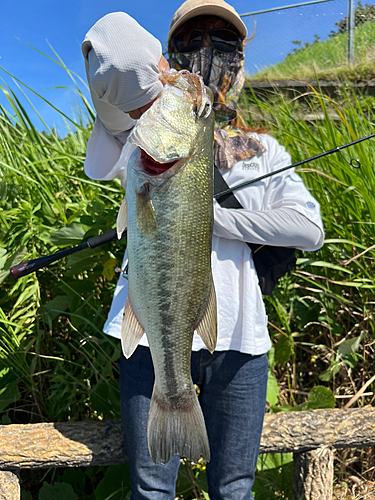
(122, 218)
(131, 330)
(207, 327)
(145, 212)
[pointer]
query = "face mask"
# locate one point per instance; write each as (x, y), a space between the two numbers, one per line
(224, 74)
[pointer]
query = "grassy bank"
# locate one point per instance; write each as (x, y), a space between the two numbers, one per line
(328, 60)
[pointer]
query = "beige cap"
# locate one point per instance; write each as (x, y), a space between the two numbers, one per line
(193, 8)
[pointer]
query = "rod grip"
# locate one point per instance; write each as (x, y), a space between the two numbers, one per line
(106, 237)
(29, 266)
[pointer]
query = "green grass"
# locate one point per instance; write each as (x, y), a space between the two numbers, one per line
(328, 60)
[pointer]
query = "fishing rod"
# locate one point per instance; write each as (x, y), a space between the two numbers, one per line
(30, 266)
(354, 163)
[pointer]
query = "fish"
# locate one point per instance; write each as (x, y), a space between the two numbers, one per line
(168, 212)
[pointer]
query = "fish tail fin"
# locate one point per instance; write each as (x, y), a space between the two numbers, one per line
(176, 428)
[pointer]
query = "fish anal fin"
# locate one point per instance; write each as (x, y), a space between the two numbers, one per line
(122, 218)
(131, 330)
(207, 326)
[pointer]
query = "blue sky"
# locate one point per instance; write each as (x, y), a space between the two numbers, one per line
(63, 25)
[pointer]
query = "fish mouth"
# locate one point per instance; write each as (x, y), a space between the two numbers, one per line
(152, 167)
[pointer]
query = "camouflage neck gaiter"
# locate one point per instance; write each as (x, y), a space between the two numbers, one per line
(224, 74)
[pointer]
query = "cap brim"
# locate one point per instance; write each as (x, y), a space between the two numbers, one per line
(212, 10)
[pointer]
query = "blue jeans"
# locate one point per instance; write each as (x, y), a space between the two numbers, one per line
(232, 396)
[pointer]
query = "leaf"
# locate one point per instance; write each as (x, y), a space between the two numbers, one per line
(104, 398)
(201, 480)
(57, 491)
(116, 479)
(80, 262)
(26, 495)
(321, 263)
(184, 486)
(349, 242)
(68, 235)
(306, 311)
(284, 349)
(54, 308)
(3, 257)
(271, 461)
(109, 268)
(274, 482)
(350, 346)
(29, 292)
(9, 392)
(320, 397)
(12, 260)
(271, 357)
(272, 389)
(330, 372)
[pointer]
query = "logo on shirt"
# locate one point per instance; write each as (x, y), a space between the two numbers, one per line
(250, 166)
(310, 205)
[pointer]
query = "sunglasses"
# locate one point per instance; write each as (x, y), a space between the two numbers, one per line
(222, 40)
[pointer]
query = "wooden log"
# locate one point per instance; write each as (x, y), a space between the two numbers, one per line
(307, 430)
(9, 486)
(313, 474)
(69, 444)
(80, 444)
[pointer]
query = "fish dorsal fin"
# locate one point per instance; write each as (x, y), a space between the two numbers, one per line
(207, 327)
(131, 330)
(122, 218)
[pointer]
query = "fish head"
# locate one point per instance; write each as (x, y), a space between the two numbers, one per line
(170, 129)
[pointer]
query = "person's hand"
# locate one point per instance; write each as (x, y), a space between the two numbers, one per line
(137, 113)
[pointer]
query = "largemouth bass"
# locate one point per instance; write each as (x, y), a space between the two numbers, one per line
(168, 211)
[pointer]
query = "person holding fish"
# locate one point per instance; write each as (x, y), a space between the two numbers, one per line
(192, 284)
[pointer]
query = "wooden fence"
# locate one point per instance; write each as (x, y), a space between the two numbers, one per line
(293, 88)
(312, 437)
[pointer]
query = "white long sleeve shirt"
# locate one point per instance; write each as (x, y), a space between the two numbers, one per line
(277, 211)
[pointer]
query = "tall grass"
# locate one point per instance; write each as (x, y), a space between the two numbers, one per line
(341, 276)
(53, 364)
(322, 318)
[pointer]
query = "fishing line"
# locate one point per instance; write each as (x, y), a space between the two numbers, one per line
(33, 265)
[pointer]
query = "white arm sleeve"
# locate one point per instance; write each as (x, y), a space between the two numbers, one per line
(121, 62)
(282, 227)
(278, 211)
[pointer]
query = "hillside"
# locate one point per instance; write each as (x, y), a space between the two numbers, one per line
(327, 60)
